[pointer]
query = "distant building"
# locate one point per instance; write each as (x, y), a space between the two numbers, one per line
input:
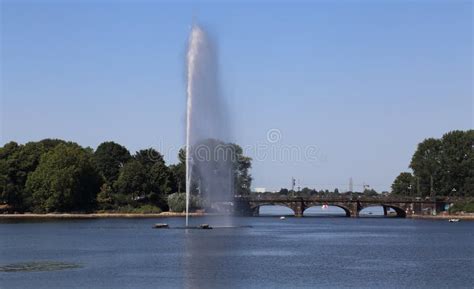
(260, 190)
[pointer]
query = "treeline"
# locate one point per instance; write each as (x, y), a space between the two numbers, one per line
(441, 167)
(54, 175)
(307, 192)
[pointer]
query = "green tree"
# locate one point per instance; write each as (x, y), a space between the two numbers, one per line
(425, 164)
(404, 184)
(369, 192)
(10, 182)
(65, 180)
(306, 192)
(242, 165)
(225, 160)
(161, 185)
(146, 178)
(160, 178)
(456, 163)
(132, 181)
(109, 158)
(444, 166)
(105, 198)
(17, 162)
(284, 191)
(148, 157)
(178, 173)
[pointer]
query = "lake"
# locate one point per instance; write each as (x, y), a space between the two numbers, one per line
(309, 252)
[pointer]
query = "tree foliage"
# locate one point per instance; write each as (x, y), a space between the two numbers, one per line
(57, 176)
(241, 166)
(404, 184)
(17, 162)
(229, 169)
(132, 180)
(444, 167)
(178, 173)
(109, 158)
(65, 180)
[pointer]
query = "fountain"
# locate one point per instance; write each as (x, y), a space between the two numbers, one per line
(208, 166)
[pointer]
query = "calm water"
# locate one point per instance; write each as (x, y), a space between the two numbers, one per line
(292, 253)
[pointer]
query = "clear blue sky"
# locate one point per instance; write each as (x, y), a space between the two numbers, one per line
(363, 81)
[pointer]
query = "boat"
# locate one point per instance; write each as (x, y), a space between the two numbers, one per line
(453, 220)
(282, 218)
(205, 227)
(161, 226)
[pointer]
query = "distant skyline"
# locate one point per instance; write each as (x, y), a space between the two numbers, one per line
(357, 83)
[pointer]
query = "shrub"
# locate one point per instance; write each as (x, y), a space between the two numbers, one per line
(145, 209)
(177, 202)
(467, 207)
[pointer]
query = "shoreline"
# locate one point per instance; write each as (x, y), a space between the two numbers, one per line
(98, 215)
(466, 217)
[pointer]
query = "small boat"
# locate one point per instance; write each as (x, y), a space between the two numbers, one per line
(161, 226)
(205, 227)
(282, 218)
(453, 220)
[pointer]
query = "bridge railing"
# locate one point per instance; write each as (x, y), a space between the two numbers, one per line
(340, 198)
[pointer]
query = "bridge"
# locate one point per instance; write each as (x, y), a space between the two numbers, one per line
(403, 206)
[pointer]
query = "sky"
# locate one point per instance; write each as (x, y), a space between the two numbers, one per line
(322, 91)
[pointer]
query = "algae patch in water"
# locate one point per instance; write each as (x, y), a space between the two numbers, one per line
(38, 266)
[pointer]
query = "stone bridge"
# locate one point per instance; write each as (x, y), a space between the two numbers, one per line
(403, 206)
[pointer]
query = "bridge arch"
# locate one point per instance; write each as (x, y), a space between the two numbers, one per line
(400, 213)
(344, 208)
(256, 208)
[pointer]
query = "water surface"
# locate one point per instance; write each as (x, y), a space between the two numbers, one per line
(309, 252)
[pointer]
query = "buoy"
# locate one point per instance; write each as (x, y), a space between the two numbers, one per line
(282, 218)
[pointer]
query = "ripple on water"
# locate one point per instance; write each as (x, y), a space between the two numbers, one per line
(38, 266)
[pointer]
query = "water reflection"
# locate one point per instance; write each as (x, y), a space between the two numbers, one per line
(206, 262)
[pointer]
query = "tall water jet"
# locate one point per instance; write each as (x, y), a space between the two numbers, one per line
(209, 170)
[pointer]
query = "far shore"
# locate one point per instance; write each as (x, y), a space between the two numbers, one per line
(467, 216)
(98, 215)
